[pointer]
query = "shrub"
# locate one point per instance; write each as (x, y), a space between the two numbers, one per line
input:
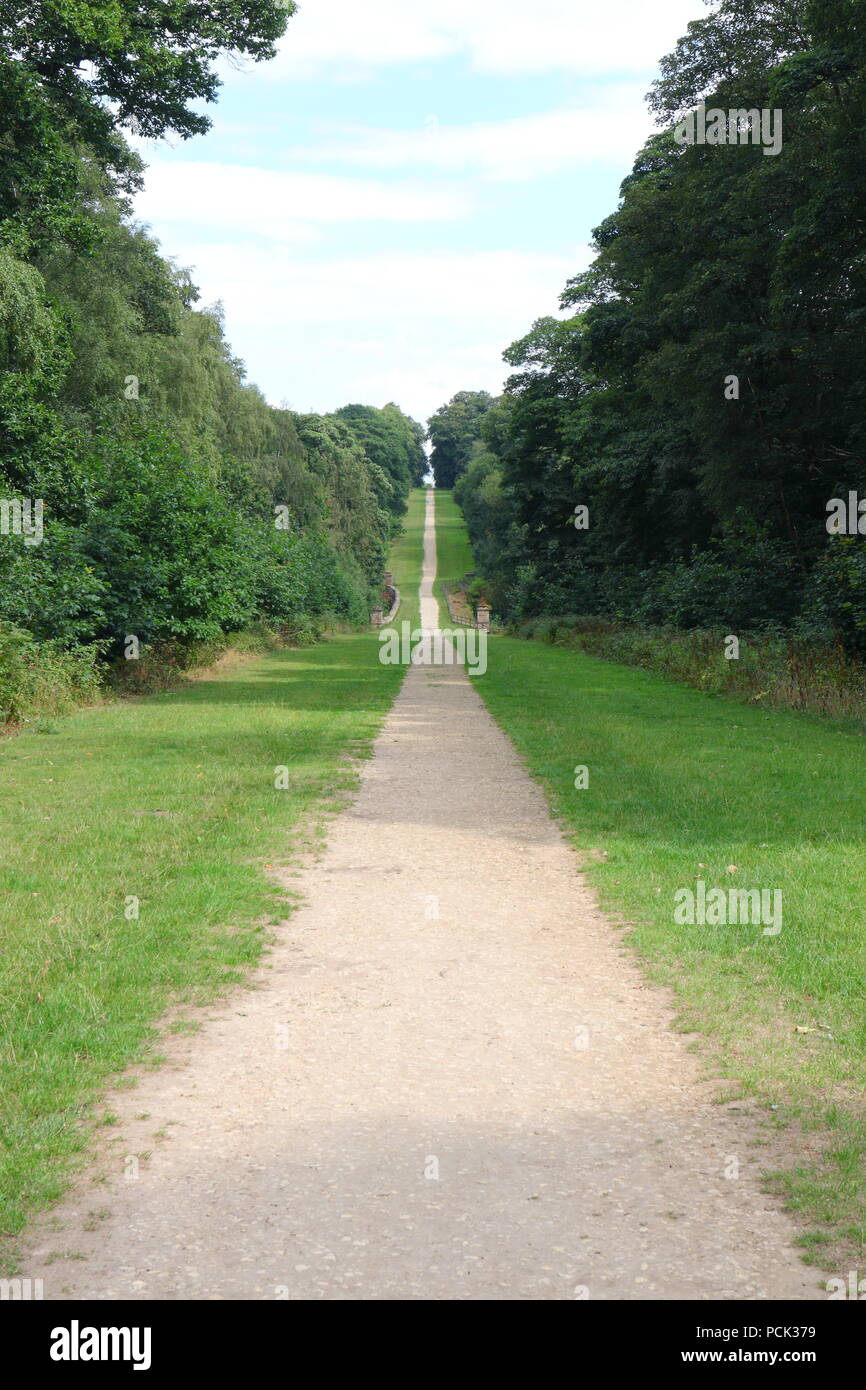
(52, 590)
(43, 677)
(836, 595)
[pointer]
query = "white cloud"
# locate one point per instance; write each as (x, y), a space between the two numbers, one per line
(281, 205)
(422, 386)
(317, 321)
(291, 287)
(496, 36)
(612, 129)
(410, 327)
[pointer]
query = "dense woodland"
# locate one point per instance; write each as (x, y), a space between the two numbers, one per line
(178, 505)
(703, 509)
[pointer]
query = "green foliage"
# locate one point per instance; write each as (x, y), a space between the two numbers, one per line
(28, 328)
(150, 59)
(40, 170)
(56, 590)
(393, 442)
(836, 596)
(179, 505)
(454, 431)
(720, 262)
(170, 547)
(73, 71)
(38, 678)
(744, 579)
(162, 552)
(349, 482)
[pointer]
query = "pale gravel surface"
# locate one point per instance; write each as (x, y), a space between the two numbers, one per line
(419, 1017)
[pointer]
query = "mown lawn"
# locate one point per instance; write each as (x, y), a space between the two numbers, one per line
(454, 556)
(170, 801)
(685, 787)
(407, 553)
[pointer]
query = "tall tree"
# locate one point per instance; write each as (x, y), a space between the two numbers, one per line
(707, 396)
(454, 431)
(73, 73)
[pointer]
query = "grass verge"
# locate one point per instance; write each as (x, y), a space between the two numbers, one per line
(136, 838)
(454, 557)
(685, 787)
(407, 554)
(784, 672)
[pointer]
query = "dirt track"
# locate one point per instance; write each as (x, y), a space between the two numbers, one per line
(451, 1082)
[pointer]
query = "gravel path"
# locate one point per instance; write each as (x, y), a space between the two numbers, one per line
(450, 1083)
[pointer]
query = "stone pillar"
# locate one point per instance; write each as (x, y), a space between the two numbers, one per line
(483, 615)
(377, 617)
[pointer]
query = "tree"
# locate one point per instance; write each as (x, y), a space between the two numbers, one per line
(454, 430)
(392, 442)
(707, 395)
(149, 59)
(73, 73)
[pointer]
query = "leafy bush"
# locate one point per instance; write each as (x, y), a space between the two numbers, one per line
(43, 677)
(53, 590)
(743, 580)
(170, 548)
(836, 595)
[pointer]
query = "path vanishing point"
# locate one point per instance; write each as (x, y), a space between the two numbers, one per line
(450, 1082)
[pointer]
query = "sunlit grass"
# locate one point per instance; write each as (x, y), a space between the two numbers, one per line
(166, 806)
(453, 552)
(683, 786)
(406, 556)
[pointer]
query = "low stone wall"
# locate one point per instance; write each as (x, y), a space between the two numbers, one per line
(382, 619)
(395, 603)
(456, 617)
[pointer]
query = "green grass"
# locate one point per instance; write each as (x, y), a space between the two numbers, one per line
(682, 787)
(170, 800)
(454, 557)
(685, 786)
(407, 553)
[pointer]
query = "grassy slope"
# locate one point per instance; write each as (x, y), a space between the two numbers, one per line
(170, 800)
(454, 556)
(683, 786)
(407, 553)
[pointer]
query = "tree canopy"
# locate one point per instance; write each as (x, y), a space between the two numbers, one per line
(178, 504)
(75, 73)
(454, 431)
(703, 394)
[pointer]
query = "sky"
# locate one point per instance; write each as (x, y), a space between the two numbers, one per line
(396, 197)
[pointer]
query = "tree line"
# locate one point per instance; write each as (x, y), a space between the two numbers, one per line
(178, 504)
(668, 451)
